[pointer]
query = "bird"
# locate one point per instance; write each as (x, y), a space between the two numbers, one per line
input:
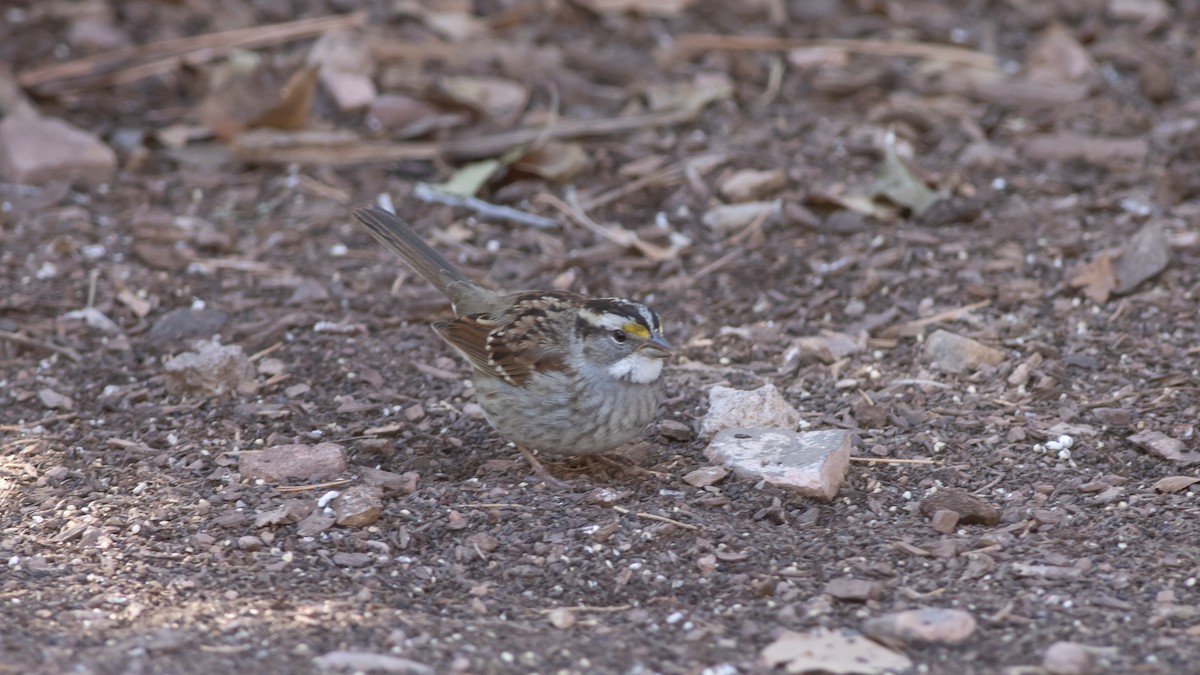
(555, 372)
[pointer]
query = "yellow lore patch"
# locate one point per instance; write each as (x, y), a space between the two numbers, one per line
(636, 329)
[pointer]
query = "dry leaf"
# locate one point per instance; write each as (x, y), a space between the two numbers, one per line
(491, 97)
(263, 97)
(1162, 445)
(1175, 483)
(555, 161)
(345, 67)
(469, 179)
(897, 184)
(1096, 278)
(1144, 258)
(829, 651)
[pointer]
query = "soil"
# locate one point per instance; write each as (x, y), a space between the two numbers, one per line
(129, 537)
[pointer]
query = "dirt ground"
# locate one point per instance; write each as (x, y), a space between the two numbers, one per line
(128, 537)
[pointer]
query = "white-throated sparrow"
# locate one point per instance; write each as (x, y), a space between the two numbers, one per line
(555, 372)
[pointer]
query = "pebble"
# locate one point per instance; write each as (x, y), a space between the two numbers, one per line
(812, 463)
(1113, 417)
(705, 476)
(930, 624)
(250, 543)
(849, 588)
(944, 521)
(358, 506)
(36, 150)
(343, 559)
(1068, 658)
(291, 511)
(403, 482)
(54, 400)
(299, 461)
(317, 522)
(675, 430)
(762, 407)
(213, 369)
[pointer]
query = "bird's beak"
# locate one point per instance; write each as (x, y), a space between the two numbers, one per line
(656, 347)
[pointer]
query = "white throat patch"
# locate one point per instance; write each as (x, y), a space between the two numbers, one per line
(637, 368)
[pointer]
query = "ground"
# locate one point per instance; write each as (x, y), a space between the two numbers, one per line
(129, 536)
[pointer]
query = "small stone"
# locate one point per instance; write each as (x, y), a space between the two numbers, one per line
(54, 400)
(455, 520)
(748, 184)
(302, 462)
(705, 476)
(813, 463)
(36, 150)
(706, 564)
(250, 543)
(932, 624)
(857, 590)
(971, 510)
(185, 323)
(414, 413)
(1068, 658)
(369, 662)
(213, 369)
(1175, 483)
(944, 521)
(561, 618)
(343, 559)
(956, 354)
(358, 506)
(675, 430)
(762, 407)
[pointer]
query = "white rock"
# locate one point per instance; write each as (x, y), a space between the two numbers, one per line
(813, 463)
(930, 624)
(762, 407)
(212, 369)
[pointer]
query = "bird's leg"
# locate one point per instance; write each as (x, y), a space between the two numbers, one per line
(540, 470)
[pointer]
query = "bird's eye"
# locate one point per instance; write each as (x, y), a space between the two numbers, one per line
(619, 335)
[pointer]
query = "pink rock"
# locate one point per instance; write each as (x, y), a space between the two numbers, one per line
(36, 150)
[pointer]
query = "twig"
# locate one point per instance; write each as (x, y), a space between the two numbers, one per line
(427, 194)
(924, 50)
(130, 64)
(39, 344)
(652, 516)
(29, 426)
(585, 608)
(269, 350)
(915, 382)
(886, 460)
(947, 315)
(495, 506)
(275, 147)
(316, 486)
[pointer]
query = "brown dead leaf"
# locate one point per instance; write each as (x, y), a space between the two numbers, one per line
(1096, 278)
(555, 161)
(1162, 445)
(262, 97)
(345, 65)
(499, 100)
(898, 185)
(1144, 257)
(1175, 483)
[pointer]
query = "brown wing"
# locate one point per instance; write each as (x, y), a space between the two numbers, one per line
(514, 344)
